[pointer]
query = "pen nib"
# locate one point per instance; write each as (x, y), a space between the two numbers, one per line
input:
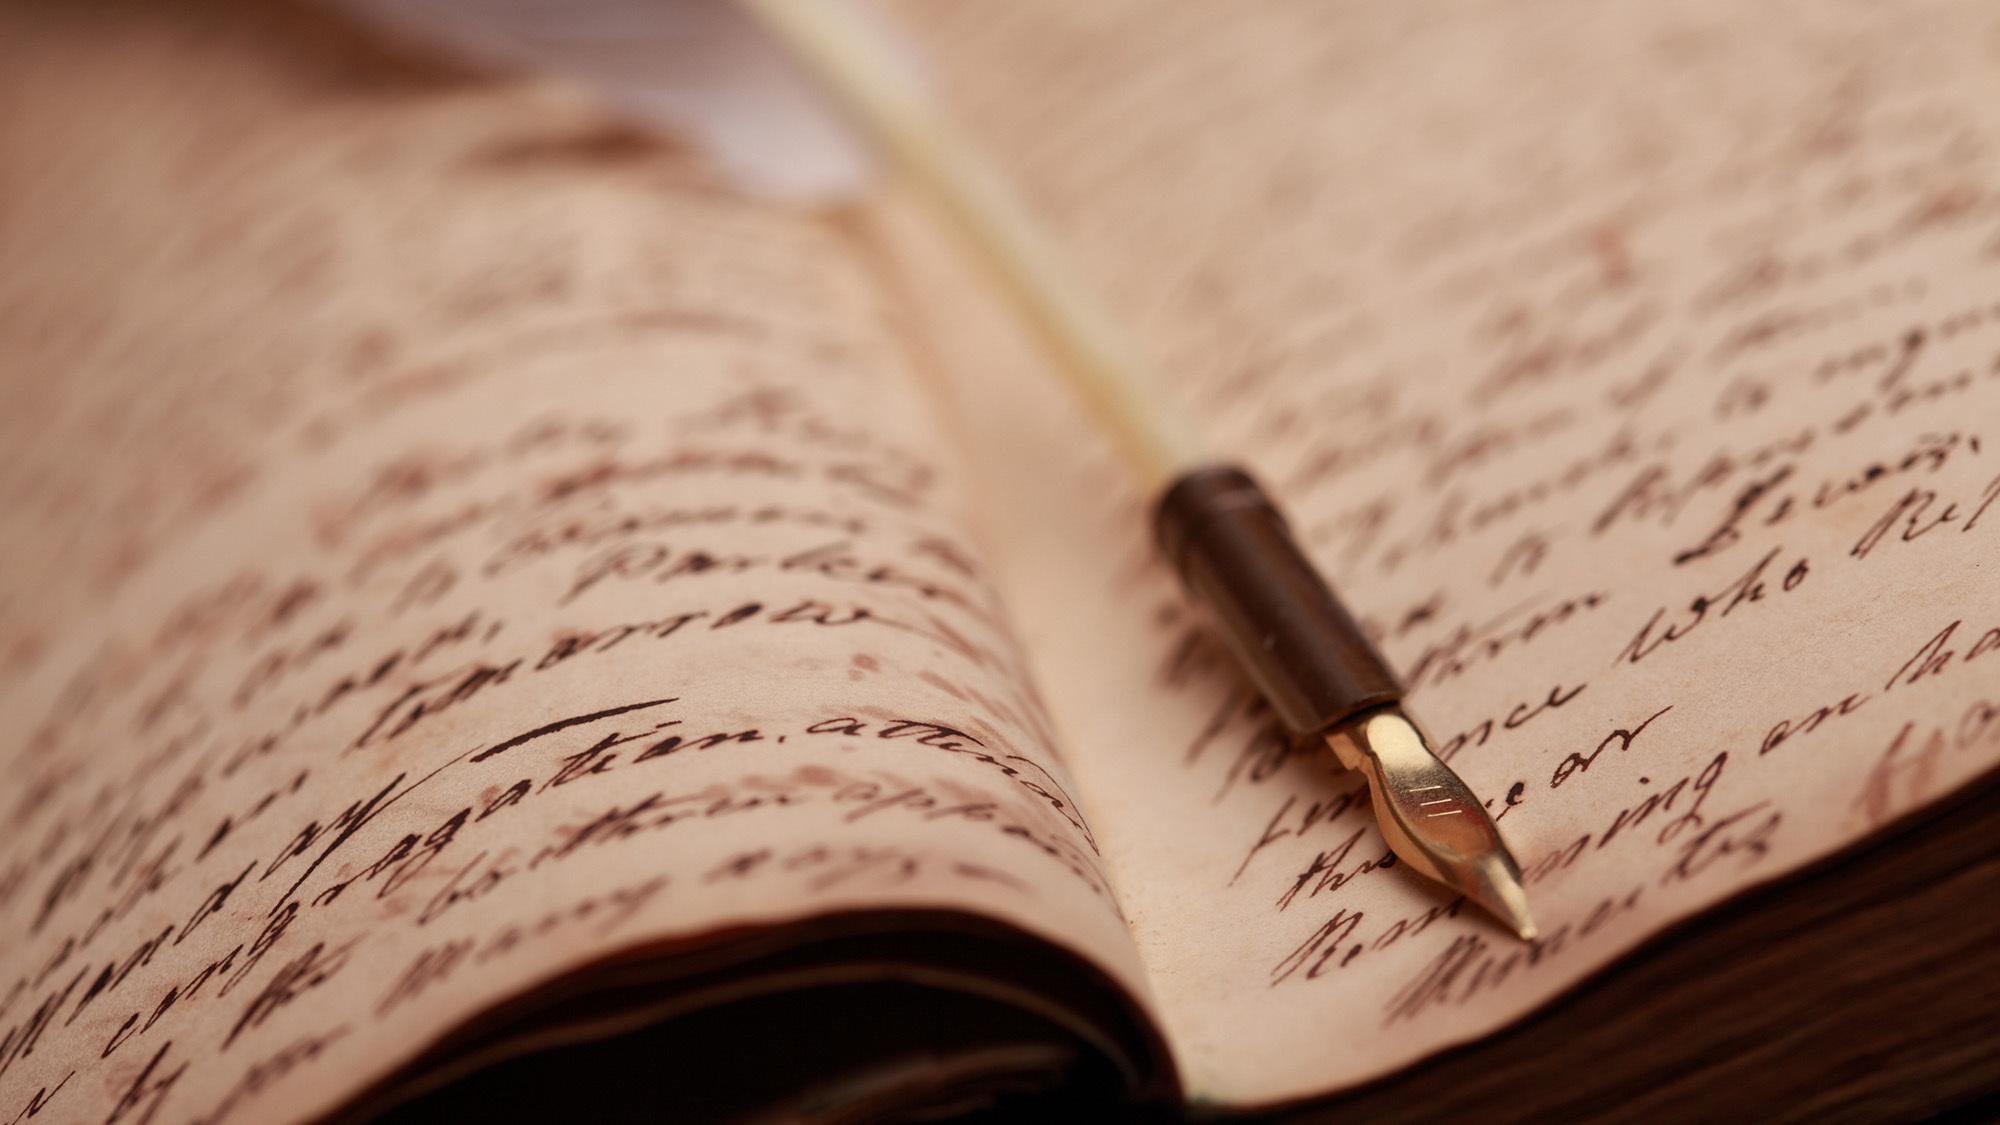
(1430, 819)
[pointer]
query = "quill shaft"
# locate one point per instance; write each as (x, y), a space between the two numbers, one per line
(1112, 373)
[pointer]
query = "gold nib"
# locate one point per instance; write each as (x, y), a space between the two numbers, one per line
(1431, 820)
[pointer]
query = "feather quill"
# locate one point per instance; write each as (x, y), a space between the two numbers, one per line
(702, 70)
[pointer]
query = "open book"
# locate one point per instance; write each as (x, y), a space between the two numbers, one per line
(475, 585)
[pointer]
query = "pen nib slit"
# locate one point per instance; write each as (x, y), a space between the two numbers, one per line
(1457, 845)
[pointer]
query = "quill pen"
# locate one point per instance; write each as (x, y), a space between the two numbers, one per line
(699, 65)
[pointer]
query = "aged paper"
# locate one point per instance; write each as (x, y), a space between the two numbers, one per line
(1633, 370)
(450, 542)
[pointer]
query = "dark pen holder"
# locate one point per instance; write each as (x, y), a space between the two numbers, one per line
(1236, 556)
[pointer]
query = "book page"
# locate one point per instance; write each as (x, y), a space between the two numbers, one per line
(451, 541)
(1633, 372)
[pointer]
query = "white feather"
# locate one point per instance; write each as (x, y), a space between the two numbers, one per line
(704, 70)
